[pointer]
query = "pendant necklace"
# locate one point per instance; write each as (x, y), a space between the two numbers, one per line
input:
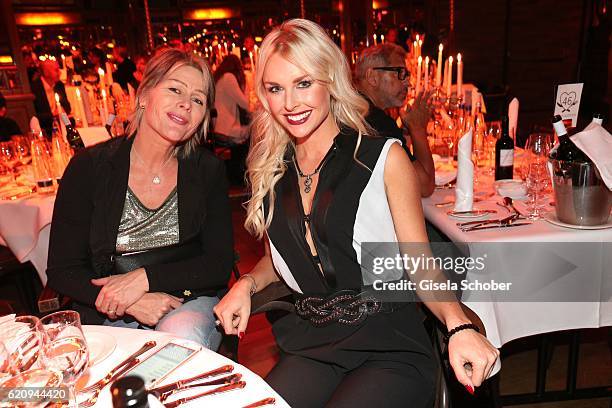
(156, 179)
(308, 177)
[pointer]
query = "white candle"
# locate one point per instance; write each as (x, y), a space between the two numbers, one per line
(58, 105)
(104, 110)
(375, 43)
(109, 72)
(439, 67)
(414, 51)
(445, 77)
(418, 76)
(252, 62)
(80, 108)
(459, 76)
(426, 86)
(382, 38)
(449, 85)
(226, 52)
(420, 43)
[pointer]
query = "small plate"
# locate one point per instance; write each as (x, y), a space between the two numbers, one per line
(551, 217)
(514, 189)
(100, 346)
(470, 214)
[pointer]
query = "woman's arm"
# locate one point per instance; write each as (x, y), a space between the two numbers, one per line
(466, 346)
(232, 89)
(69, 268)
(234, 309)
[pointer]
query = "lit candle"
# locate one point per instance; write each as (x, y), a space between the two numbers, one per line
(109, 71)
(459, 76)
(439, 66)
(418, 76)
(375, 43)
(58, 105)
(104, 110)
(102, 78)
(226, 52)
(414, 50)
(252, 62)
(382, 38)
(445, 78)
(420, 43)
(449, 84)
(426, 86)
(80, 108)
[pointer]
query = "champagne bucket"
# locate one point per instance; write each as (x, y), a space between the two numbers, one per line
(582, 197)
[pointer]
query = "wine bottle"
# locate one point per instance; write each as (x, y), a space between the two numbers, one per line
(72, 135)
(129, 392)
(598, 118)
(504, 153)
(109, 123)
(567, 150)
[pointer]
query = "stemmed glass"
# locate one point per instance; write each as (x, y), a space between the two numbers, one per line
(493, 133)
(538, 179)
(66, 349)
(24, 339)
(8, 156)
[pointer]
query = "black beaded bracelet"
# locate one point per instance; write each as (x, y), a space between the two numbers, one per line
(466, 326)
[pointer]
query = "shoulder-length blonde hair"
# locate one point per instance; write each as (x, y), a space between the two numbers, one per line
(158, 68)
(306, 45)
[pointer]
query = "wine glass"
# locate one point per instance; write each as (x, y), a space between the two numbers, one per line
(538, 179)
(22, 146)
(42, 166)
(5, 362)
(8, 156)
(66, 349)
(493, 133)
(24, 339)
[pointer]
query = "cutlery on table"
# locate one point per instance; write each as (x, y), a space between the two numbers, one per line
(508, 202)
(484, 227)
(483, 222)
(261, 403)
(224, 388)
(104, 381)
(181, 383)
(93, 398)
(230, 379)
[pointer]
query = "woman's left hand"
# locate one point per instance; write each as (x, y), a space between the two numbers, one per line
(120, 291)
(470, 347)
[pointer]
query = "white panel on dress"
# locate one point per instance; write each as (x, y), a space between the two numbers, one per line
(282, 268)
(373, 221)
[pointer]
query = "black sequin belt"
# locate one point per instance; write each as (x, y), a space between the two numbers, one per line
(346, 307)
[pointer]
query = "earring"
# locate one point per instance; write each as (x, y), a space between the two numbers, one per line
(141, 107)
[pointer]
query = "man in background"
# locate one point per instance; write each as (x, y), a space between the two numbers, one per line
(381, 76)
(44, 90)
(124, 74)
(8, 127)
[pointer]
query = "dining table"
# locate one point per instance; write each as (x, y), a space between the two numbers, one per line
(529, 251)
(109, 345)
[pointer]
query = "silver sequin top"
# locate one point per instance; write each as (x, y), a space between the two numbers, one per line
(143, 228)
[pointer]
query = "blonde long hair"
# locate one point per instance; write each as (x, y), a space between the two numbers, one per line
(158, 68)
(306, 45)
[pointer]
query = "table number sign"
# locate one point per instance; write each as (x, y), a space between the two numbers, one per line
(567, 102)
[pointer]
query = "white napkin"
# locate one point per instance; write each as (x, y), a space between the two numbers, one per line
(513, 112)
(464, 190)
(596, 142)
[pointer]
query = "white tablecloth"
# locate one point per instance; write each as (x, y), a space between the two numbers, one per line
(130, 340)
(506, 321)
(24, 227)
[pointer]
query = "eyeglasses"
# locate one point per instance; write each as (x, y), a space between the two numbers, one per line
(402, 72)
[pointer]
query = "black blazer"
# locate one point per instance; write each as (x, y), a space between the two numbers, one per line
(88, 211)
(41, 104)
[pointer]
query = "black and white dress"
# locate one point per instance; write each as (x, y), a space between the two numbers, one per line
(349, 207)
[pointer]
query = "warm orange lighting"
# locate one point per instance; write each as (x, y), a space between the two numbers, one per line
(210, 14)
(379, 4)
(6, 59)
(258, 39)
(45, 19)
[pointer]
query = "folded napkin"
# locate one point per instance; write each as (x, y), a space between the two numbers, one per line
(464, 190)
(35, 125)
(513, 112)
(596, 142)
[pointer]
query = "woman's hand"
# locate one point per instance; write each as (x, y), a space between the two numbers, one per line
(469, 346)
(151, 307)
(234, 309)
(120, 291)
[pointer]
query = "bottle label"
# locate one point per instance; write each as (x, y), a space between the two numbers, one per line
(110, 119)
(65, 119)
(506, 157)
(560, 128)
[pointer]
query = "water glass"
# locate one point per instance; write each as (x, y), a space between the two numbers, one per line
(8, 156)
(537, 176)
(42, 166)
(23, 338)
(65, 350)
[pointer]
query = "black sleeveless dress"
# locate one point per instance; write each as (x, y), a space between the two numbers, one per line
(349, 207)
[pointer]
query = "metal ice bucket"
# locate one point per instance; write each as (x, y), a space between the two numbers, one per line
(582, 197)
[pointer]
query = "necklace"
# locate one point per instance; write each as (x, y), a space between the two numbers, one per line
(308, 177)
(156, 179)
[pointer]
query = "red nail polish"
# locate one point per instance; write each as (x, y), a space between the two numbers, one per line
(240, 335)
(469, 389)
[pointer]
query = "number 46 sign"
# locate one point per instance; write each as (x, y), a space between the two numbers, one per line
(567, 101)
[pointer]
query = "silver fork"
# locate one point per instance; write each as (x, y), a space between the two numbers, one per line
(93, 398)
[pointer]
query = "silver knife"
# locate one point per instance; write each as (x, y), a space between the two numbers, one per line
(483, 227)
(218, 390)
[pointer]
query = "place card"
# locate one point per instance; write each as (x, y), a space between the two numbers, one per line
(567, 102)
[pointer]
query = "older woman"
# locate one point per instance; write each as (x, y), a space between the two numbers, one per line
(141, 233)
(321, 188)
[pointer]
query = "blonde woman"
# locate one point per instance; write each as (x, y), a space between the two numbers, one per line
(320, 188)
(141, 233)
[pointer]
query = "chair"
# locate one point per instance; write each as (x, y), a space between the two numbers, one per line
(21, 275)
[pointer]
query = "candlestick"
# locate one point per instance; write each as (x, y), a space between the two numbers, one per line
(104, 110)
(439, 67)
(80, 108)
(449, 85)
(418, 76)
(420, 44)
(375, 43)
(426, 86)
(459, 76)
(382, 38)
(252, 62)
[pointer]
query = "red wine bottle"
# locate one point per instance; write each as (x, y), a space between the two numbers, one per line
(504, 153)
(598, 118)
(72, 135)
(566, 151)
(109, 124)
